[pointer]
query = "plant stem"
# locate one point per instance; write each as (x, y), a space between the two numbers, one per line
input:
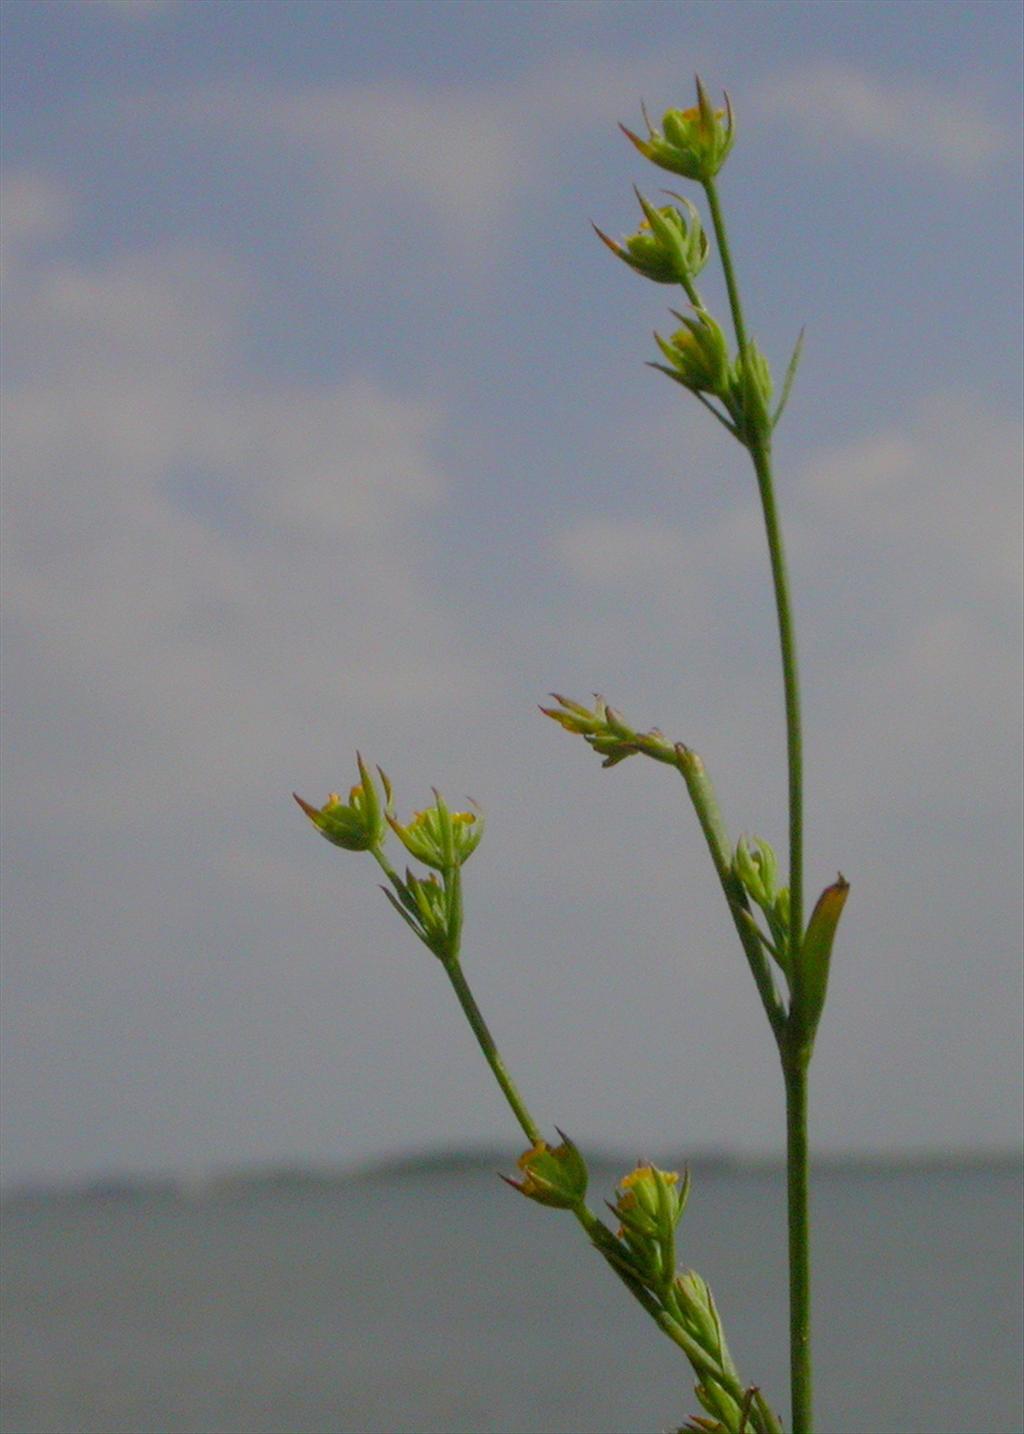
(794, 1051)
(795, 1069)
(725, 254)
(760, 452)
(705, 804)
(486, 1042)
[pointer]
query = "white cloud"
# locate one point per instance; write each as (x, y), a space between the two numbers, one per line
(906, 551)
(462, 153)
(185, 545)
(944, 491)
(909, 118)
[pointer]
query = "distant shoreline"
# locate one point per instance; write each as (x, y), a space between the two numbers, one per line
(284, 1177)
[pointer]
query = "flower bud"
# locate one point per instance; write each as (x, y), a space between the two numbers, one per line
(700, 1318)
(752, 388)
(699, 1311)
(355, 825)
(552, 1177)
(648, 1201)
(698, 356)
(433, 910)
(667, 247)
(692, 142)
(649, 1204)
(438, 837)
(757, 871)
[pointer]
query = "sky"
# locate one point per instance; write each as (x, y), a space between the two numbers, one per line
(327, 427)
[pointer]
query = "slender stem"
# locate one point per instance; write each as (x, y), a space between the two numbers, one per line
(761, 454)
(799, 1243)
(725, 253)
(389, 871)
(475, 1018)
(795, 1054)
(692, 292)
(705, 804)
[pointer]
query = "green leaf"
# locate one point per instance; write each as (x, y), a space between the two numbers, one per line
(816, 953)
(787, 382)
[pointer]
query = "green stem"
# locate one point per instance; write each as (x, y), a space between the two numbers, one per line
(795, 1069)
(475, 1018)
(705, 804)
(725, 254)
(761, 455)
(692, 293)
(795, 1054)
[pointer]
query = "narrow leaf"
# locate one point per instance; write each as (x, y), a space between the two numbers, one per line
(816, 952)
(787, 384)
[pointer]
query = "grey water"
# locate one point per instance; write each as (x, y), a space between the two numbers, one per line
(440, 1302)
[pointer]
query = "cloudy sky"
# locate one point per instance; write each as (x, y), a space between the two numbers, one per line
(327, 427)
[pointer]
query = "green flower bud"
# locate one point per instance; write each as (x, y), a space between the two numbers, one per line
(432, 909)
(650, 1201)
(692, 142)
(552, 1177)
(666, 248)
(435, 912)
(751, 389)
(757, 871)
(699, 1315)
(698, 356)
(355, 825)
(648, 1204)
(438, 837)
(699, 1311)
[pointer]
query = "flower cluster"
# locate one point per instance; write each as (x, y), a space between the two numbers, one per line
(556, 1177)
(438, 837)
(355, 825)
(649, 1203)
(669, 247)
(693, 142)
(607, 731)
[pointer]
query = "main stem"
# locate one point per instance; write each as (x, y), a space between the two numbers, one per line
(761, 454)
(800, 1378)
(794, 1052)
